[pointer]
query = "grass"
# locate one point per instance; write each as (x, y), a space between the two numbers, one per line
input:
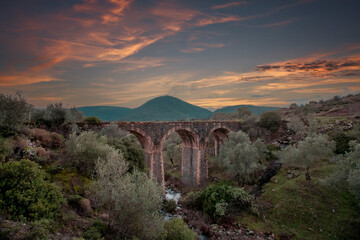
(306, 209)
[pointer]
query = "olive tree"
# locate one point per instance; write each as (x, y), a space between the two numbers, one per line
(270, 120)
(82, 151)
(240, 157)
(55, 115)
(14, 112)
(131, 199)
(305, 153)
(349, 170)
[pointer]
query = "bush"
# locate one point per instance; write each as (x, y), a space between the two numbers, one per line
(55, 115)
(39, 230)
(43, 156)
(342, 142)
(193, 200)
(47, 139)
(272, 150)
(96, 231)
(170, 206)
(82, 151)
(92, 120)
(270, 121)
(222, 198)
(14, 111)
(176, 229)
(24, 192)
(6, 148)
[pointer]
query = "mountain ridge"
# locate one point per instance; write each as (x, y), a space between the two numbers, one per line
(163, 108)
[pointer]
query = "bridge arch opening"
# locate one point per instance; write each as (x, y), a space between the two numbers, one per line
(213, 141)
(181, 154)
(215, 138)
(147, 145)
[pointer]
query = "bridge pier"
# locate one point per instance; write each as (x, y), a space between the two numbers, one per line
(203, 173)
(190, 166)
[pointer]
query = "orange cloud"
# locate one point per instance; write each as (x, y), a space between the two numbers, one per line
(223, 102)
(193, 50)
(25, 79)
(231, 4)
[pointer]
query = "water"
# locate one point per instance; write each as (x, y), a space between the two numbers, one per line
(171, 194)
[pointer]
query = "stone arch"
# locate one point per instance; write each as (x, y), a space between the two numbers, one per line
(147, 145)
(190, 165)
(220, 134)
(189, 137)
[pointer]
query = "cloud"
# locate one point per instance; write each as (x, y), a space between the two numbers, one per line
(231, 4)
(141, 64)
(200, 47)
(319, 67)
(215, 103)
(25, 79)
(275, 24)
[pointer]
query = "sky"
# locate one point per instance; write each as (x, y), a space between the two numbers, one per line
(211, 53)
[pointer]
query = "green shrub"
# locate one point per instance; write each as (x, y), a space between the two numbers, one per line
(222, 198)
(92, 120)
(39, 230)
(271, 153)
(74, 200)
(270, 120)
(170, 206)
(193, 200)
(342, 142)
(96, 231)
(176, 229)
(6, 148)
(24, 192)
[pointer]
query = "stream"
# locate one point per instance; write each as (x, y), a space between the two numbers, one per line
(171, 194)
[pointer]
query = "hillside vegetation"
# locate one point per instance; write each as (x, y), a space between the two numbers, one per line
(289, 174)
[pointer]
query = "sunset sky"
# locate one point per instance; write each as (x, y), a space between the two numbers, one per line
(211, 53)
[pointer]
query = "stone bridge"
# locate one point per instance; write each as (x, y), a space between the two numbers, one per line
(194, 136)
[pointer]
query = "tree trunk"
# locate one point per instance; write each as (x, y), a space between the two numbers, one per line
(307, 175)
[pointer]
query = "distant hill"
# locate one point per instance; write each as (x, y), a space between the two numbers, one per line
(165, 108)
(256, 110)
(105, 113)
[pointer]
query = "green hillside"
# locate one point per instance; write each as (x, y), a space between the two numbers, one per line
(166, 108)
(105, 113)
(257, 110)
